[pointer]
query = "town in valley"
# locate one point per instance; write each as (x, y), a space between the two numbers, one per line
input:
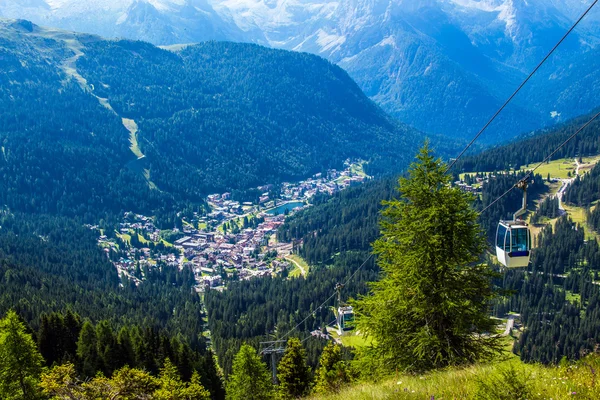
(232, 240)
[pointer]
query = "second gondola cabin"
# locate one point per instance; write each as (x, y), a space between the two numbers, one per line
(513, 244)
(345, 319)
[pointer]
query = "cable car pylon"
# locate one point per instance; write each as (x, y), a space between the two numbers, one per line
(275, 349)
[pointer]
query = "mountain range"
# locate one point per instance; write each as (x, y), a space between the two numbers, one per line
(442, 66)
(92, 125)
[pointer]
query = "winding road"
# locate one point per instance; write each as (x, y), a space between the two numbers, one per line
(563, 188)
(302, 270)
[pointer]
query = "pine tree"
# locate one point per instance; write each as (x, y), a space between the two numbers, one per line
(46, 340)
(333, 372)
(431, 304)
(250, 378)
(185, 362)
(137, 342)
(108, 349)
(292, 372)
(20, 361)
(194, 390)
(126, 350)
(173, 388)
(72, 328)
(87, 351)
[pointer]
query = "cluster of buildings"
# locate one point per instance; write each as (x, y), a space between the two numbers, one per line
(141, 223)
(474, 187)
(246, 254)
(213, 253)
(331, 182)
(223, 208)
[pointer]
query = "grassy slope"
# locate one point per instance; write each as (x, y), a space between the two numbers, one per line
(485, 381)
(561, 168)
(297, 260)
(558, 168)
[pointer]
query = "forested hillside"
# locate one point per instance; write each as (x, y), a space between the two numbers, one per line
(53, 264)
(214, 116)
(535, 147)
(346, 222)
(253, 311)
(222, 115)
(558, 298)
(61, 152)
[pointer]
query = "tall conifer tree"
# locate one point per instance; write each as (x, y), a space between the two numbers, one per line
(430, 308)
(20, 361)
(250, 379)
(292, 372)
(87, 350)
(333, 373)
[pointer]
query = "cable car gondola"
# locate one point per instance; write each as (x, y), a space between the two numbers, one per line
(513, 238)
(345, 313)
(345, 319)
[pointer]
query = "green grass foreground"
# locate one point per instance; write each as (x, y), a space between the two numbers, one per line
(509, 379)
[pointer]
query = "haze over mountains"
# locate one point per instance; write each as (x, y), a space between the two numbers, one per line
(442, 66)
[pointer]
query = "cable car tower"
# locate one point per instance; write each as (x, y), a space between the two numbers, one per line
(513, 238)
(345, 313)
(275, 349)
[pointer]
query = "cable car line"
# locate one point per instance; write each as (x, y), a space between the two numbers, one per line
(543, 162)
(513, 237)
(522, 85)
(329, 298)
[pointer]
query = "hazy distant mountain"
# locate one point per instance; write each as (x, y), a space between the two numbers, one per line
(157, 21)
(440, 65)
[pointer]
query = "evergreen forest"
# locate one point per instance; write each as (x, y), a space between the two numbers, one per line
(93, 129)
